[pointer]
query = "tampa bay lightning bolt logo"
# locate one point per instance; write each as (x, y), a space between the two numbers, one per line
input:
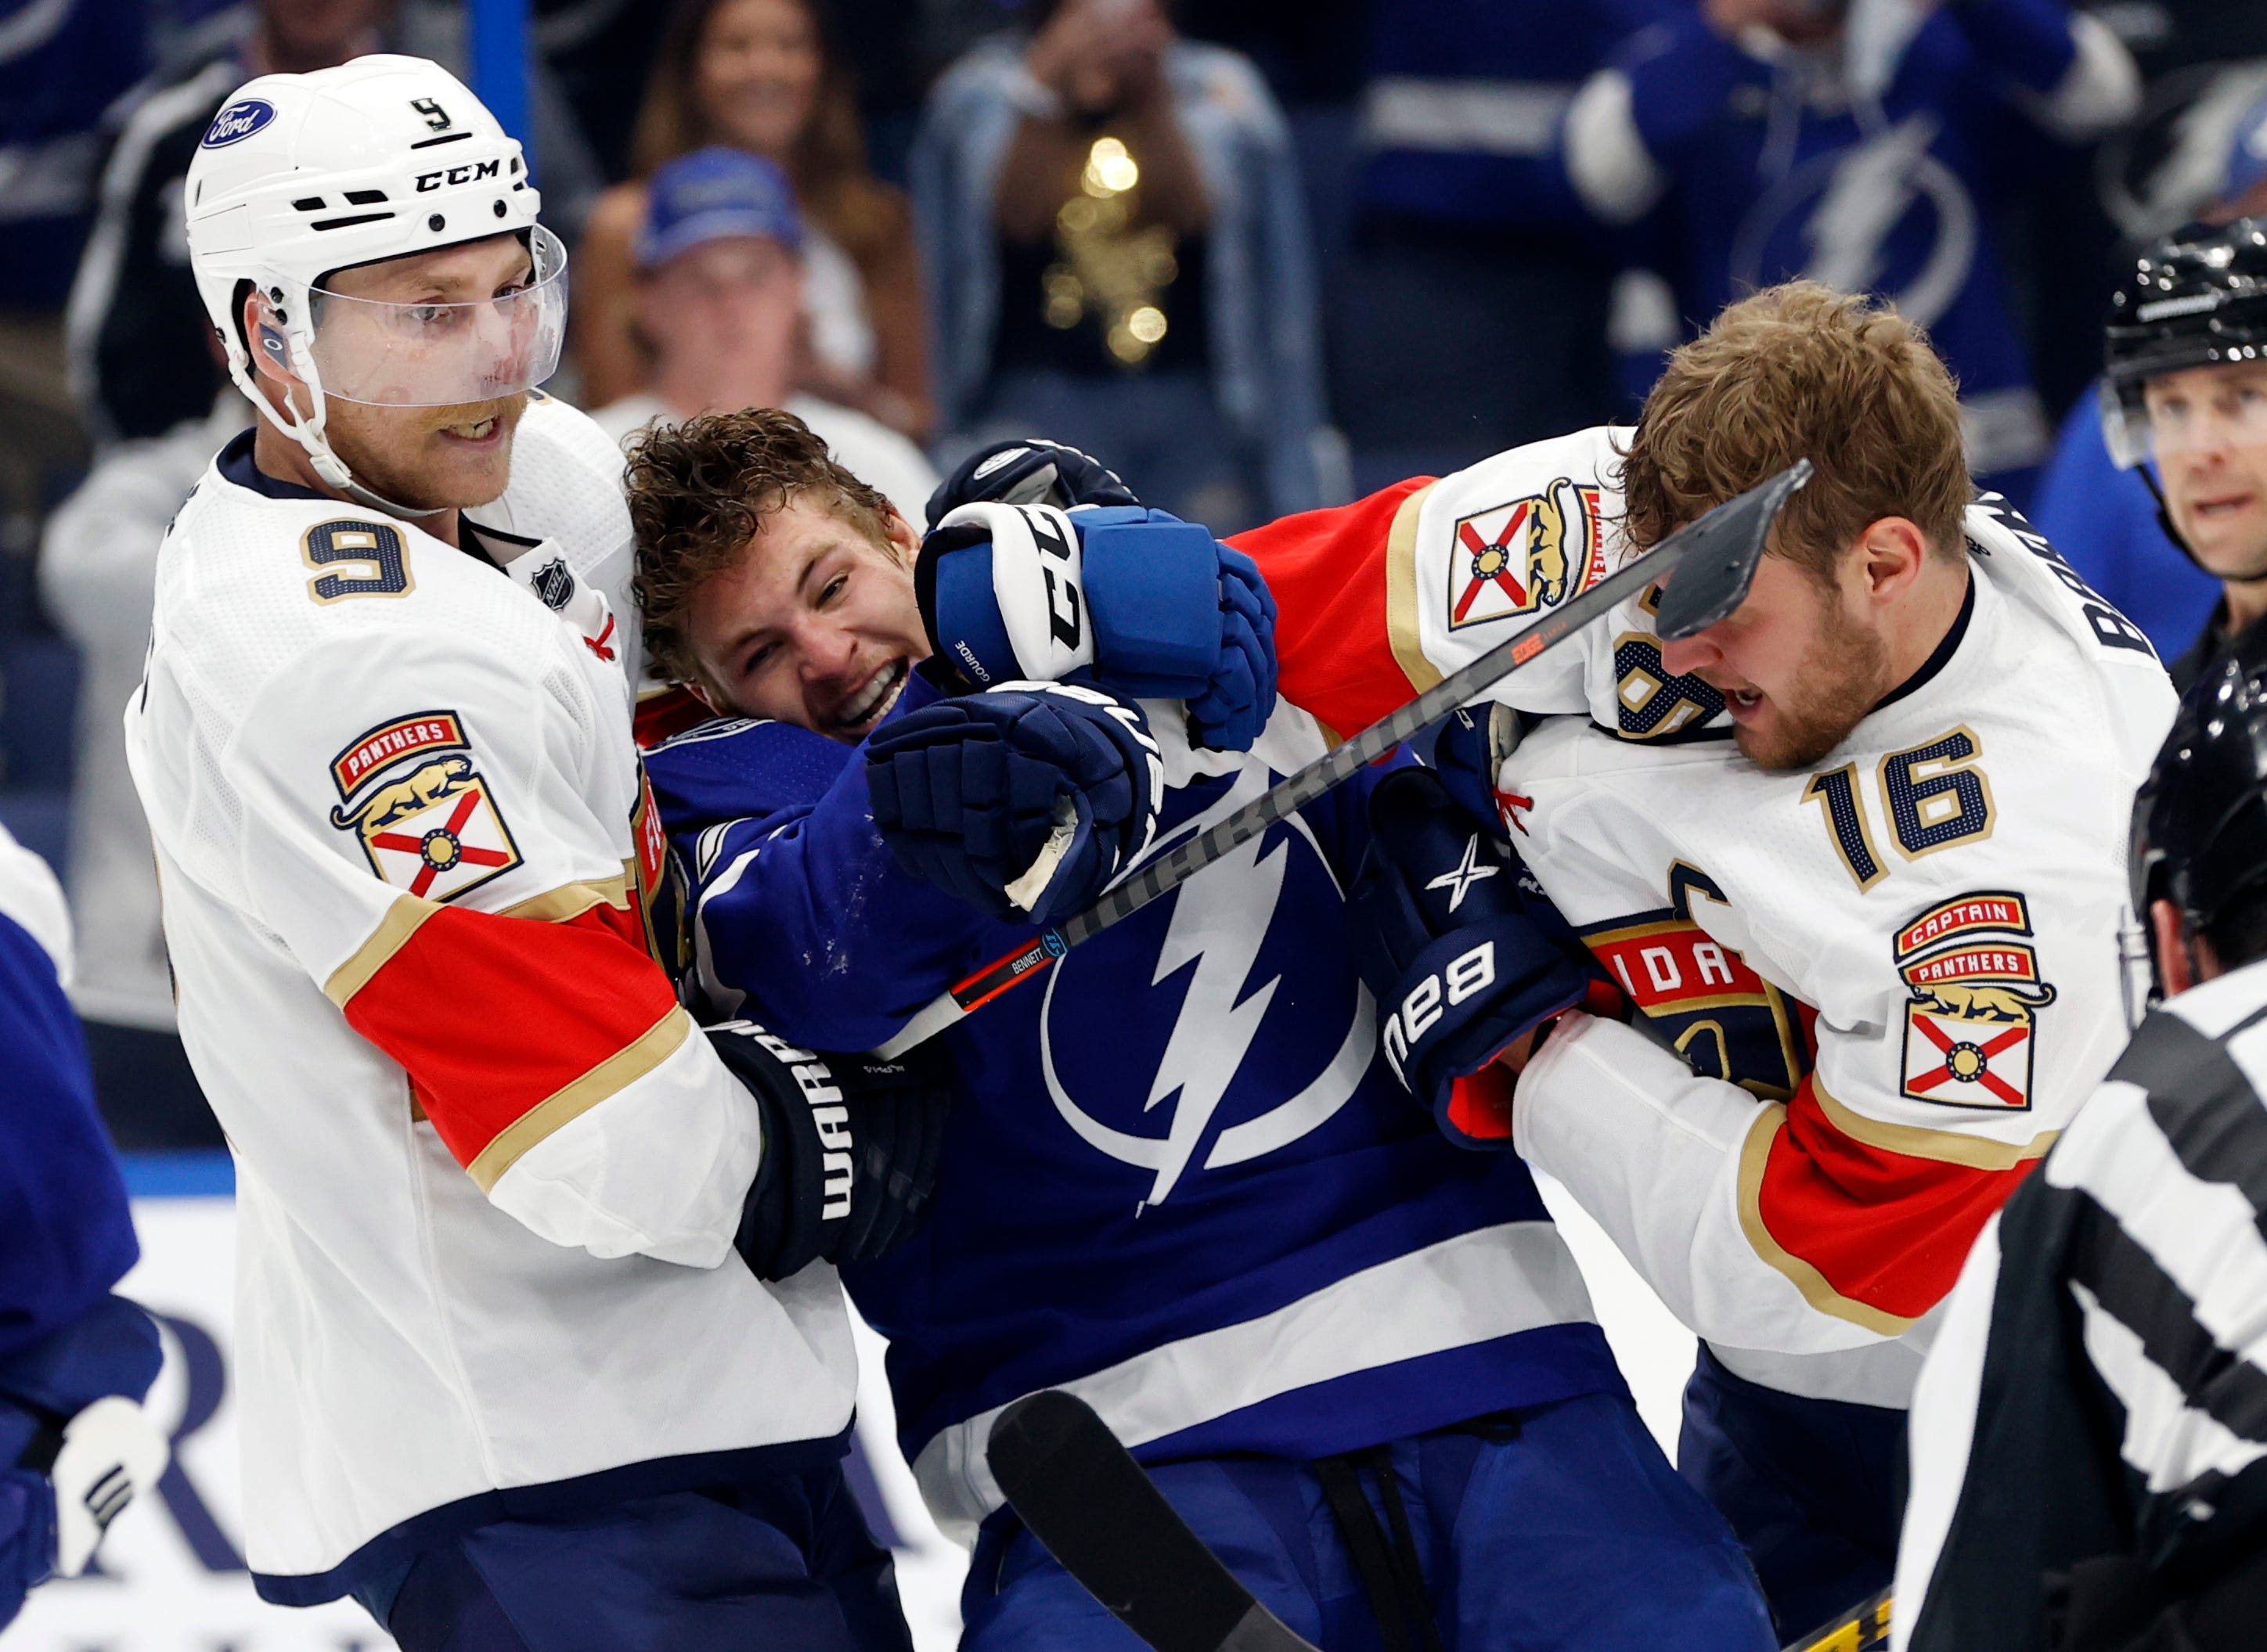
(238, 122)
(1883, 214)
(1221, 944)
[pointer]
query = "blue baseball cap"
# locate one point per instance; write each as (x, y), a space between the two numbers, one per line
(2246, 152)
(712, 193)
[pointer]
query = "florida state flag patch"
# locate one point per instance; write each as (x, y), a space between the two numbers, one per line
(1973, 1020)
(408, 791)
(1526, 555)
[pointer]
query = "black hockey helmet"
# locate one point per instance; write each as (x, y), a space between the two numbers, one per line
(2196, 298)
(2200, 819)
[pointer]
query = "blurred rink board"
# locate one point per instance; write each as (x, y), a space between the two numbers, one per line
(172, 1577)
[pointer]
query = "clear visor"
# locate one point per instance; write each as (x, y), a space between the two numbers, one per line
(2190, 411)
(438, 355)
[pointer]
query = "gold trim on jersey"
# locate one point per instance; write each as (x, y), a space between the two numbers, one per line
(408, 912)
(1755, 1152)
(570, 901)
(403, 919)
(1946, 1147)
(562, 1106)
(1401, 627)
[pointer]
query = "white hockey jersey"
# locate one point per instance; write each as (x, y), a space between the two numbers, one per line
(487, 1169)
(1887, 980)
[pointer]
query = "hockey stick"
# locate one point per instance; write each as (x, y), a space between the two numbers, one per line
(1082, 1496)
(1079, 1490)
(1718, 553)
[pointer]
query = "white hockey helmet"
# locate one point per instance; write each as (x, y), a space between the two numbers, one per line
(300, 176)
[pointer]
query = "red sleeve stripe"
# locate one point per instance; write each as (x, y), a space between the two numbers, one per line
(1870, 1221)
(1344, 586)
(509, 1026)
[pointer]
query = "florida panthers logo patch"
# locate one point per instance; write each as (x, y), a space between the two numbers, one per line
(1526, 555)
(408, 791)
(1971, 1021)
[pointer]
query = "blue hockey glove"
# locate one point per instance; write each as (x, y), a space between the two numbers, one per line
(1466, 749)
(1459, 944)
(1025, 801)
(850, 1148)
(1028, 471)
(75, 1443)
(1151, 606)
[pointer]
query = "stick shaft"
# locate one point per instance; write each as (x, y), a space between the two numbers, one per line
(1294, 791)
(1184, 860)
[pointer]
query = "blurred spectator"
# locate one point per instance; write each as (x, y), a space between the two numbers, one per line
(764, 76)
(2086, 208)
(1862, 148)
(1483, 285)
(135, 318)
(720, 283)
(62, 62)
(2105, 521)
(600, 52)
(98, 572)
(1119, 259)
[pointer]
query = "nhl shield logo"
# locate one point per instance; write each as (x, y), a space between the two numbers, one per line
(422, 812)
(1526, 555)
(1971, 1022)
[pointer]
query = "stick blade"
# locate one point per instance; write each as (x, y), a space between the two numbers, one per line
(1082, 1496)
(1723, 548)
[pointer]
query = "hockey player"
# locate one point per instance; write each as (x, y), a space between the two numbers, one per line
(1853, 866)
(505, 1381)
(2186, 388)
(1177, 1180)
(75, 1359)
(2087, 1438)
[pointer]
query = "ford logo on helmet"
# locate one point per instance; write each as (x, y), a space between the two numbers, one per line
(241, 119)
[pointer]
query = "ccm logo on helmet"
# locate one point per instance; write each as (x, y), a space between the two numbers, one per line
(239, 120)
(458, 175)
(1468, 973)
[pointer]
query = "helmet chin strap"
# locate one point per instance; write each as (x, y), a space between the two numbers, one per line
(2165, 514)
(333, 469)
(308, 432)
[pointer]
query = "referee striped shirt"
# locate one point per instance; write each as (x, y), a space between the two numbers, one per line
(2098, 1387)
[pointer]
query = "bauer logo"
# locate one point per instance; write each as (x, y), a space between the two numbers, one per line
(238, 122)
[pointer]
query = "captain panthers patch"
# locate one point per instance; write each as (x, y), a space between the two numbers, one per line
(408, 791)
(1971, 1021)
(1526, 555)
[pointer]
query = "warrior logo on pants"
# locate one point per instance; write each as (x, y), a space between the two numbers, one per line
(408, 790)
(1972, 1018)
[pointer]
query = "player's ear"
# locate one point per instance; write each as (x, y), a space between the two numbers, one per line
(1894, 552)
(903, 535)
(2172, 955)
(271, 352)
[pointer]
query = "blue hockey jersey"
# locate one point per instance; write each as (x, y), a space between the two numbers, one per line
(65, 1233)
(1179, 1182)
(1765, 170)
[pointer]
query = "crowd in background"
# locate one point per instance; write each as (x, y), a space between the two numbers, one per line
(1260, 256)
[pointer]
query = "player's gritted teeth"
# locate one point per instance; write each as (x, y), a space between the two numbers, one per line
(858, 712)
